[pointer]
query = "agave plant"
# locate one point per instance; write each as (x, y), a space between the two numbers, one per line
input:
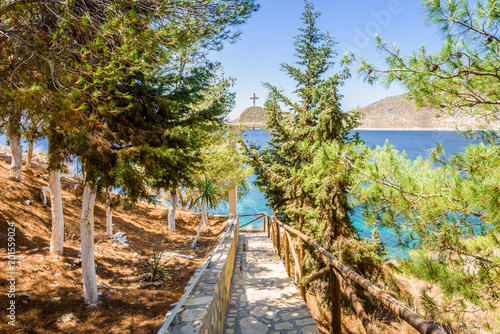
(156, 266)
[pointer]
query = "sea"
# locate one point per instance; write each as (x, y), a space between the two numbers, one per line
(414, 143)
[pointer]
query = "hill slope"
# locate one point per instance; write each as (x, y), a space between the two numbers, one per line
(49, 286)
(397, 113)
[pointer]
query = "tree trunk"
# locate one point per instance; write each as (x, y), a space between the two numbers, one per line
(171, 210)
(30, 154)
(109, 213)
(56, 208)
(17, 155)
(193, 245)
(182, 202)
(204, 217)
(191, 204)
(87, 240)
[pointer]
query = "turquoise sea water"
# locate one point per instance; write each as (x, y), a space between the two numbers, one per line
(415, 143)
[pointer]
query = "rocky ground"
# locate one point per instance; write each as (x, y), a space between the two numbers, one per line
(48, 288)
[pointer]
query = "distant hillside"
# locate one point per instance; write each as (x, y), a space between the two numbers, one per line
(397, 113)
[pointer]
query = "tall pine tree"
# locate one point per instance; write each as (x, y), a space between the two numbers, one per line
(310, 133)
(313, 119)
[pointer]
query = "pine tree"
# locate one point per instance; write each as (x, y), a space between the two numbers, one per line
(295, 168)
(446, 207)
(455, 78)
(314, 120)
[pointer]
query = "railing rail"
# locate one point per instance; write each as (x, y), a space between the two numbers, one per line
(338, 273)
(168, 320)
(259, 216)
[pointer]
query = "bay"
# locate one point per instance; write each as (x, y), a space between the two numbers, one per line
(414, 143)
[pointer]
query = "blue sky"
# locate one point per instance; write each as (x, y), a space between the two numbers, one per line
(267, 40)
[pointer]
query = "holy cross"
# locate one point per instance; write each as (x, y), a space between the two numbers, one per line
(254, 98)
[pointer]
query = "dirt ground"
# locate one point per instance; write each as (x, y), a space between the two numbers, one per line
(48, 286)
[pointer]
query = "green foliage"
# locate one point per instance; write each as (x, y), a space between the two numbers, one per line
(447, 208)
(283, 166)
(224, 175)
(207, 192)
(463, 75)
(156, 267)
(444, 207)
(303, 170)
(127, 83)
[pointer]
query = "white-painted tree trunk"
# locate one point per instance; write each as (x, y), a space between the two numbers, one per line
(87, 239)
(109, 213)
(171, 210)
(193, 245)
(17, 156)
(204, 217)
(56, 208)
(30, 154)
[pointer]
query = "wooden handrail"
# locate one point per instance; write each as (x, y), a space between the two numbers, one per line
(315, 276)
(393, 304)
(253, 214)
(259, 217)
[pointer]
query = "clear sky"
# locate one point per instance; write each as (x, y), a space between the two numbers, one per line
(267, 41)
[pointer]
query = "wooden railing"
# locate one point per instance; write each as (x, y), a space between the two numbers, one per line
(281, 236)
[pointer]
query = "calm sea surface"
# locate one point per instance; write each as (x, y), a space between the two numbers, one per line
(415, 143)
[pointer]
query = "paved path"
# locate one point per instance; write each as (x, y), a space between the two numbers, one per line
(263, 298)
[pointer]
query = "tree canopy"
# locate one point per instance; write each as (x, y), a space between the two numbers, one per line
(446, 207)
(300, 126)
(463, 75)
(123, 87)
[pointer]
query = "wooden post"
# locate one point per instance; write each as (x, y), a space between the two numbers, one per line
(287, 254)
(272, 227)
(282, 242)
(268, 227)
(301, 267)
(335, 296)
(298, 272)
(264, 223)
(365, 321)
(278, 238)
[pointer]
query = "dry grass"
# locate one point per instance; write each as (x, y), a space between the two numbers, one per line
(473, 321)
(52, 284)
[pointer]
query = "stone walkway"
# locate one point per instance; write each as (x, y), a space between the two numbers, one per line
(263, 298)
